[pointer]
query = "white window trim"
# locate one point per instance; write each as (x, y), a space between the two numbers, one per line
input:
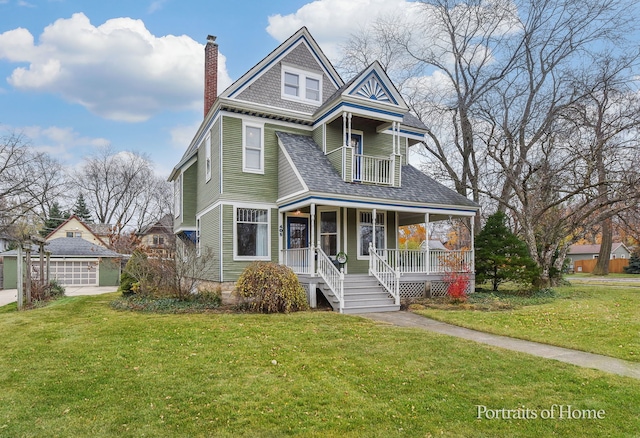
(237, 257)
(207, 145)
(318, 236)
(198, 242)
(177, 196)
(358, 235)
(246, 124)
(302, 85)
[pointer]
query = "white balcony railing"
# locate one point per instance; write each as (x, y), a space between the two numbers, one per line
(373, 170)
(431, 262)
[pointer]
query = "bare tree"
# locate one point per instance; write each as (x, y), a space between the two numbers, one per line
(121, 188)
(29, 182)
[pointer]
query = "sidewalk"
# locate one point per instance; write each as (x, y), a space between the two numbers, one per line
(10, 295)
(574, 357)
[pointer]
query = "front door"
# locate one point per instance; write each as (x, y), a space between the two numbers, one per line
(297, 232)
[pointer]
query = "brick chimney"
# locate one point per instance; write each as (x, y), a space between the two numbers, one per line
(210, 73)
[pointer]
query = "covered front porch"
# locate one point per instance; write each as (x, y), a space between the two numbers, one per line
(341, 247)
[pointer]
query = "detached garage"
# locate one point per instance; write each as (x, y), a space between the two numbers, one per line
(73, 262)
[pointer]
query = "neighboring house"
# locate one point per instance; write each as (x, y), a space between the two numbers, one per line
(433, 245)
(159, 237)
(76, 228)
(5, 241)
(103, 231)
(589, 252)
(73, 262)
(292, 165)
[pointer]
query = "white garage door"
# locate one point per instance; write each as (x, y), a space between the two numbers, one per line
(75, 272)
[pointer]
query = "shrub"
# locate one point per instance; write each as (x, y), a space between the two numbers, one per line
(457, 286)
(271, 288)
(131, 273)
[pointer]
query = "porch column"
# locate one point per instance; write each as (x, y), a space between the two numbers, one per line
(281, 232)
(312, 253)
(473, 245)
(373, 223)
(344, 129)
(426, 234)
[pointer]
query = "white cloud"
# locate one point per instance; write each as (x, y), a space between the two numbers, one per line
(182, 135)
(64, 144)
(117, 70)
(156, 5)
(331, 22)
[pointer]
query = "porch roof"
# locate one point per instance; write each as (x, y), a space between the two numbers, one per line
(320, 177)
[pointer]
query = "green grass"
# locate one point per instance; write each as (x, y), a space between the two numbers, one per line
(595, 318)
(79, 368)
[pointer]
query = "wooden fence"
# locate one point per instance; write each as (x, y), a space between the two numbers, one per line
(616, 266)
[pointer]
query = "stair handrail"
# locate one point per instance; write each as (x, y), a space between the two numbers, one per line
(388, 277)
(332, 277)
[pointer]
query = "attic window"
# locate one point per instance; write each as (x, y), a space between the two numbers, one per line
(301, 85)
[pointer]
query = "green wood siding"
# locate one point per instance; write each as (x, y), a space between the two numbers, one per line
(317, 136)
(239, 185)
(189, 196)
(210, 244)
(334, 135)
(288, 182)
(378, 145)
(355, 266)
(209, 191)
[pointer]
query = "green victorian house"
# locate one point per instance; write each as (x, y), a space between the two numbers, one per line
(294, 166)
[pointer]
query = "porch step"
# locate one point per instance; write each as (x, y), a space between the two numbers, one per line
(362, 294)
(370, 309)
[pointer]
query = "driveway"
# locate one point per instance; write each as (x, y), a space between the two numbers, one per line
(10, 295)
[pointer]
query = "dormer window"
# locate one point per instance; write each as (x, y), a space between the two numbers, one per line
(301, 85)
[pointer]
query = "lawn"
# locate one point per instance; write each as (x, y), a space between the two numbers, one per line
(602, 319)
(79, 368)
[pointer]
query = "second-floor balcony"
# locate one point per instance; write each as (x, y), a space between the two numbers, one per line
(364, 168)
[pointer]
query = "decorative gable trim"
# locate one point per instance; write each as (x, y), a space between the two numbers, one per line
(302, 36)
(372, 88)
(373, 85)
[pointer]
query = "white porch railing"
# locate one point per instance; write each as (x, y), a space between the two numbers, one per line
(431, 262)
(298, 259)
(332, 277)
(374, 170)
(385, 274)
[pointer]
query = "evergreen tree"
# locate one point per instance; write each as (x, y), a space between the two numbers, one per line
(634, 264)
(501, 255)
(80, 209)
(55, 217)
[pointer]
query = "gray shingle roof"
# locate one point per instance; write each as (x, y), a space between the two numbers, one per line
(71, 247)
(320, 176)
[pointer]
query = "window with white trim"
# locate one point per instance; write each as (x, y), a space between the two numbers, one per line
(301, 85)
(177, 196)
(252, 233)
(252, 148)
(207, 145)
(329, 232)
(365, 231)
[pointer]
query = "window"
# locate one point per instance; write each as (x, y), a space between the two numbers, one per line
(158, 240)
(301, 85)
(74, 234)
(291, 86)
(329, 232)
(252, 233)
(253, 156)
(365, 236)
(207, 145)
(177, 196)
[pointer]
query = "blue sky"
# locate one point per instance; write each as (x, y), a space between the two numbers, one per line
(75, 75)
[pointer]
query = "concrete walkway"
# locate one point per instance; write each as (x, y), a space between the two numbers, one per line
(574, 357)
(10, 295)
